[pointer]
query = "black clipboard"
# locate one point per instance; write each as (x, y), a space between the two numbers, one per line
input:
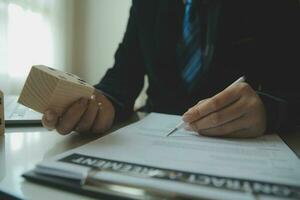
(69, 185)
(104, 191)
(73, 186)
(115, 190)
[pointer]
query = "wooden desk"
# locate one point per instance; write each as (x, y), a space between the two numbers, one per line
(22, 147)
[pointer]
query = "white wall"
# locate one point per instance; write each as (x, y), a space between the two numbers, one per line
(99, 26)
(32, 33)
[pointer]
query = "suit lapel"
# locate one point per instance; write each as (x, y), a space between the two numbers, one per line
(166, 37)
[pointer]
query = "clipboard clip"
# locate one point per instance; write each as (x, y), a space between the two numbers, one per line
(132, 191)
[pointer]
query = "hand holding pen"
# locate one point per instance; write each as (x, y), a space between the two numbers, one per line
(237, 111)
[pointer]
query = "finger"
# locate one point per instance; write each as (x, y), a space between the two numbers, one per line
(101, 123)
(203, 100)
(185, 116)
(222, 99)
(223, 116)
(71, 117)
(245, 133)
(49, 119)
(226, 129)
(88, 118)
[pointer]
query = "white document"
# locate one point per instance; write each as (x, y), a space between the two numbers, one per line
(218, 163)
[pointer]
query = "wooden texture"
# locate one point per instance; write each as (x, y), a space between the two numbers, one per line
(2, 121)
(48, 88)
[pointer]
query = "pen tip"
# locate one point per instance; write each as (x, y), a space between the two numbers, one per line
(171, 132)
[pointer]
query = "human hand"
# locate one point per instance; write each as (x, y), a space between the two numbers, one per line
(237, 111)
(84, 115)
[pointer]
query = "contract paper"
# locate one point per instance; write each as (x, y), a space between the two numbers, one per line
(204, 166)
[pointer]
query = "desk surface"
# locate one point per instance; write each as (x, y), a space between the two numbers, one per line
(22, 147)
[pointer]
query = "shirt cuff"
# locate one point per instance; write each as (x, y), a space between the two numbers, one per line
(276, 111)
(119, 106)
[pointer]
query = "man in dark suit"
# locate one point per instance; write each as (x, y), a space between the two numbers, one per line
(191, 50)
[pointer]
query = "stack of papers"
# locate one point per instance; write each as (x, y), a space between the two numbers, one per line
(184, 163)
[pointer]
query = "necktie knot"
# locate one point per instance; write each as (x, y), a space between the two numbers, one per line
(188, 2)
(190, 12)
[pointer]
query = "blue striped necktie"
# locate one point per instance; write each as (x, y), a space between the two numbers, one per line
(189, 50)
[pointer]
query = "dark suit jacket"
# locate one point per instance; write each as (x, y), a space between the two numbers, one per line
(258, 39)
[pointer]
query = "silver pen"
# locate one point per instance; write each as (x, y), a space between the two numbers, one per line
(182, 124)
(179, 126)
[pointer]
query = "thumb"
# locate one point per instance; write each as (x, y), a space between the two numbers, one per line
(191, 115)
(50, 119)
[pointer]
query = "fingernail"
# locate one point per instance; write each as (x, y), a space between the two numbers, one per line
(93, 97)
(83, 101)
(99, 104)
(188, 127)
(186, 116)
(49, 116)
(188, 112)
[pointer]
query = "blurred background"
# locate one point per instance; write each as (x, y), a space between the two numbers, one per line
(78, 36)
